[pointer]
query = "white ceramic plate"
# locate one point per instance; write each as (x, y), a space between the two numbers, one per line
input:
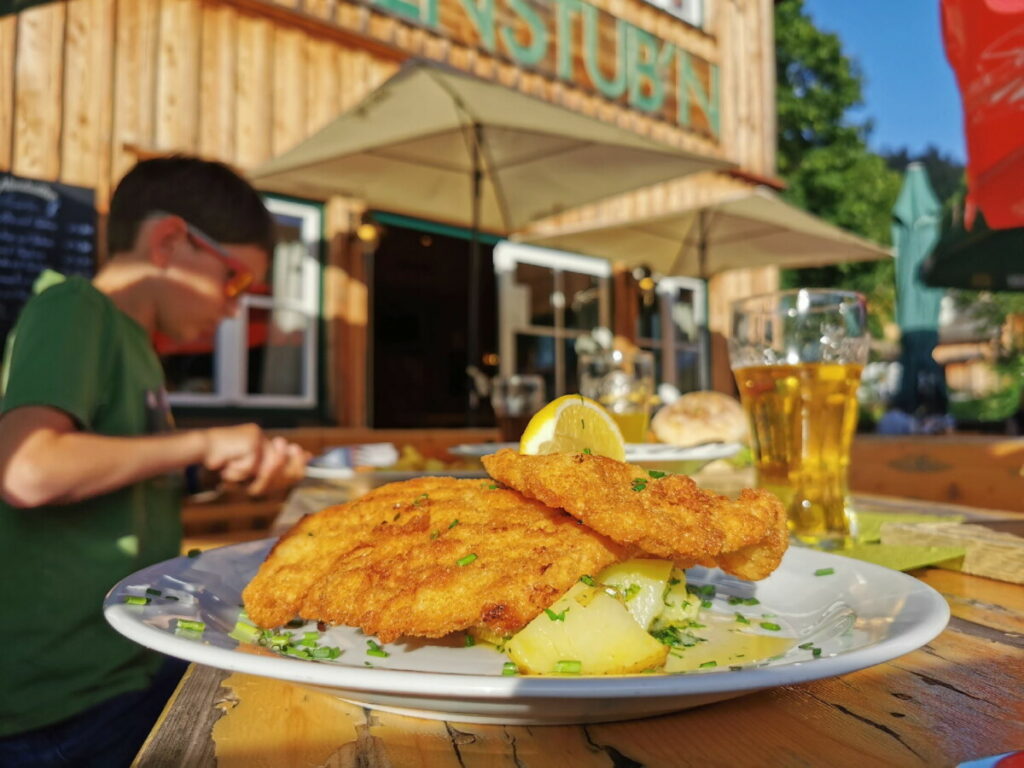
(859, 615)
(637, 453)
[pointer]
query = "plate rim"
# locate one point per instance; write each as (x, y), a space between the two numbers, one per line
(495, 688)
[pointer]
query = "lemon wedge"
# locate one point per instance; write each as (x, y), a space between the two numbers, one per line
(573, 424)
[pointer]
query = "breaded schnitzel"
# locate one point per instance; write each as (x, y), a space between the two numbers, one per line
(427, 557)
(667, 517)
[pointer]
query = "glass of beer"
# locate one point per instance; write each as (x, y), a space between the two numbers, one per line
(623, 382)
(515, 400)
(797, 357)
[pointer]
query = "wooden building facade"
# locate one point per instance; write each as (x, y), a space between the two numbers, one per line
(89, 86)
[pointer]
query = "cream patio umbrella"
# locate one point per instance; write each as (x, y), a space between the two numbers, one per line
(444, 145)
(753, 228)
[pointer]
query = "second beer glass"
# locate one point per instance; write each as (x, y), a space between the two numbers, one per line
(797, 357)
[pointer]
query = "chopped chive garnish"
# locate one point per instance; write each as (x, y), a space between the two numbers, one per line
(639, 484)
(492, 487)
(466, 560)
(195, 552)
(470, 641)
(154, 592)
(555, 616)
(771, 625)
(309, 639)
(420, 499)
(170, 597)
(708, 664)
(434, 535)
(509, 668)
(244, 632)
(586, 451)
(325, 652)
(655, 474)
(568, 667)
(805, 646)
(588, 580)
(136, 600)
(705, 603)
(453, 523)
(192, 626)
(751, 601)
(374, 649)
(742, 619)
(824, 571)
(816, 652)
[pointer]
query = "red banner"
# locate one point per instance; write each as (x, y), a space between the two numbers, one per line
(985, 44)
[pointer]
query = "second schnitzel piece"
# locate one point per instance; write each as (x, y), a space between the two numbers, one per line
(425, 558)
(665, 516)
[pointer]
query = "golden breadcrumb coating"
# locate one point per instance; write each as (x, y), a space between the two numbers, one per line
(427, 557)
(669, 517)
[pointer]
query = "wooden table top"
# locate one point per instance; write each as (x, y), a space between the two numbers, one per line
(960, 697)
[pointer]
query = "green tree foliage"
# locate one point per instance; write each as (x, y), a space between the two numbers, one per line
(824, 159)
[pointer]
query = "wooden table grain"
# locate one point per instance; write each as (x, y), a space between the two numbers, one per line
(960, 697)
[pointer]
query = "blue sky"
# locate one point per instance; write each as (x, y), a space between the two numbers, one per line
(909, 89)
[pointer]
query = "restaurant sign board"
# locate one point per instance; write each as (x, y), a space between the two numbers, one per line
(578, 43)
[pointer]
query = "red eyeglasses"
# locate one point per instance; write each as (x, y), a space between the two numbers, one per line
(240, 277)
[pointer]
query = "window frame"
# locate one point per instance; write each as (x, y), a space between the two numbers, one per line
(666, 289)
(507, 256)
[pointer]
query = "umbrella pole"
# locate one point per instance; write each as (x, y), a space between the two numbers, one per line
(704, 374)
(473, 325)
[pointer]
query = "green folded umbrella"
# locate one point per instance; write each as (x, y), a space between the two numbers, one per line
(979, 259)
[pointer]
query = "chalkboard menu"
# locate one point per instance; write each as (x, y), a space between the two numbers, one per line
(42, 224)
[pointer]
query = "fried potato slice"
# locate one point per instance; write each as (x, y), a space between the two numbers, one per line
(425, 558)
(669, 517)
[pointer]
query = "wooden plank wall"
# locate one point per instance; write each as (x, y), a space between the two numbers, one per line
(84, 84)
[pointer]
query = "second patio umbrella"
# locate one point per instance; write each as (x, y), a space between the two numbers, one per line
(751, 229)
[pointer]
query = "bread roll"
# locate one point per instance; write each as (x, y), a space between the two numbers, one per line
(701, 417)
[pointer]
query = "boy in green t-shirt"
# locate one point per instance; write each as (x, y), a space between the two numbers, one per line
(90, 467)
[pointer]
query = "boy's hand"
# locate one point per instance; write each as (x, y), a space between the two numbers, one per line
(242, 453)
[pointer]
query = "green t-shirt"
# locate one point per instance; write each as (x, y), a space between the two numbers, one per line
(77, 352)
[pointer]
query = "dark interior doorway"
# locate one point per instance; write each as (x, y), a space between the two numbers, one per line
(420, 295)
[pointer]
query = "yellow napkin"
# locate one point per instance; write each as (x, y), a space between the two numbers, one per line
(902, 558)
(868, 525)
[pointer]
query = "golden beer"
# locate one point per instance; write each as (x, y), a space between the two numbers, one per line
(632, 424)
(802, 421)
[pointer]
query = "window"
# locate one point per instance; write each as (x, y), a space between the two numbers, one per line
(547, 300)
(266, 356)
(672, 323)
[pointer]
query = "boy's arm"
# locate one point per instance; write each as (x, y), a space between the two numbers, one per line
(45, 459)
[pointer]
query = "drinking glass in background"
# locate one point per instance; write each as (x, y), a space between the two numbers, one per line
(515, 400)
(623, 382)
(797, 357)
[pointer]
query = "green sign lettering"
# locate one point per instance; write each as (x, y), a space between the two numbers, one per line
(689, 84)
(615, 87)
(528, 55)
(481, 13)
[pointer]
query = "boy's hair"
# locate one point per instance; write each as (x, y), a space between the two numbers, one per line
(206, 194)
